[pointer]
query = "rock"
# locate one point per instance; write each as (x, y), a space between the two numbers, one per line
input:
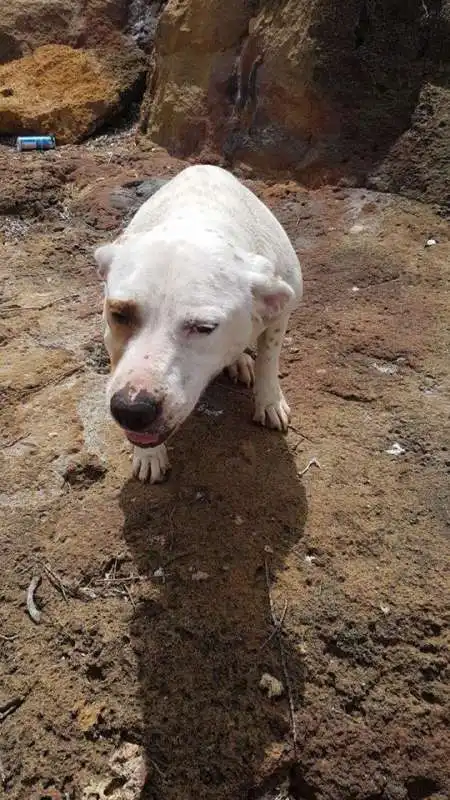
(418, 165)
(128, 774)
(69, 93)
(199, 576)
(26, 25)
(133, 194)
(142, 21)
(187, 102)
(88, 715)
(84, 471)
(247, 451)
(99, 23)
(272, 686)
(279, 793)
(108, 203)
(301, 85)
(395, 449)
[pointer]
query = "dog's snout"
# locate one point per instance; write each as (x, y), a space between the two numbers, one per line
(134, 412)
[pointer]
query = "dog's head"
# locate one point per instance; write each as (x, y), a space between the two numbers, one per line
(178, 310)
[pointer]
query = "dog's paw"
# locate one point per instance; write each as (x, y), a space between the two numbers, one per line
(150, 463)
(243, 370)
(272, 411)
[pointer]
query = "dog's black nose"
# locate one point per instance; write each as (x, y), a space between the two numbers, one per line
(136, 412)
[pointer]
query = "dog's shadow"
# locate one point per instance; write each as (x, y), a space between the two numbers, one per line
(233, 506)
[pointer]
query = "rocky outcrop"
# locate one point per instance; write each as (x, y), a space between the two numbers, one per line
(322, 89)
(142, 21)
(69, 93)
(418, 164)
(190, 91)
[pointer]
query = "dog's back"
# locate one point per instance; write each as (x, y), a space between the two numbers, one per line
(208, 197)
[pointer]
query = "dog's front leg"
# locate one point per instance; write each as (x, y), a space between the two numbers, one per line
(150, 463)
(271, 408)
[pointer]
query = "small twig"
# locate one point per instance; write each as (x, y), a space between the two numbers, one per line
(56, 581)
(10, 706)
(32, 609)
(12, 442)
(65, 375)
(277, 623)
(85, 593)
(114, 568)
(177, 557)
(129, 595)
(425, 9)
(299, 433)
(54, 382)
(311, 463)
(124, 579)
(50, 303)
(276, 627)
(230, 387)
(172, 528)
(9, 638)
(157, 768)
(2, 774)
(109, 567)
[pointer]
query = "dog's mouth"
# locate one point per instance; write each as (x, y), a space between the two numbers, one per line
(144, 439)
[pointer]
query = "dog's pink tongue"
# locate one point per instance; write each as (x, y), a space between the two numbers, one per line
(142, 438)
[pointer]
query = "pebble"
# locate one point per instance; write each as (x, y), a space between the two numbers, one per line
(395, 450)
(159, 573)
(272, 686)
(385, 369)
(199, 575)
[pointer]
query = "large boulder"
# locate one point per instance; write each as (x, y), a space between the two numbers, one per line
(319, 88)
(28, 24)
(187, 103)
(66, 92)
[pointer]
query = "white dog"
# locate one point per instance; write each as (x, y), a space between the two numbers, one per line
(202, 272)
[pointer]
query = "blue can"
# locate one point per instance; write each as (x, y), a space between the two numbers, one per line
(35, 142)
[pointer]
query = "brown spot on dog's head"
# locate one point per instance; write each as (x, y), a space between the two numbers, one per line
(122, 313)
(123, 321)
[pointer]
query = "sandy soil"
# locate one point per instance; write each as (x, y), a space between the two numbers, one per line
(142, 678)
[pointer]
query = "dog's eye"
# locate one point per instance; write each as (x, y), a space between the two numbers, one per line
(203, 328)
(121, 317)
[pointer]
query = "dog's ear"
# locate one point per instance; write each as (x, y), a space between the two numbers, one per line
(270, 293)
(104, 257)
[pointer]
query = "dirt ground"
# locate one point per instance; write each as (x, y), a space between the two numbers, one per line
(142, 678)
